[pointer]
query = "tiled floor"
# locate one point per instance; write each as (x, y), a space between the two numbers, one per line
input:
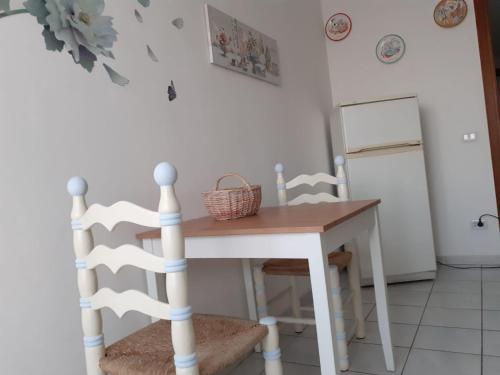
(450, 326)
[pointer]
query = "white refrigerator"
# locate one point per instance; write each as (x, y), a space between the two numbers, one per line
(381, 140)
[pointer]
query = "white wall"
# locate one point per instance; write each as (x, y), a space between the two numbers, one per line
(57, 121)
(443, 67)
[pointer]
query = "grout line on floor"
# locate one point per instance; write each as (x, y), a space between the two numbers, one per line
(418, 329)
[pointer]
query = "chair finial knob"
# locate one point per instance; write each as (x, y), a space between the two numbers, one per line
(165, 174)
(339, 160)
(279, 168)
(77, 186)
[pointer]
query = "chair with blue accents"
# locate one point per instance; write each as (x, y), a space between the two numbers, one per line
(338, 261)
(180, 342)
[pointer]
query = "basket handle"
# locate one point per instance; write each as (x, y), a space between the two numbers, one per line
(241, 178)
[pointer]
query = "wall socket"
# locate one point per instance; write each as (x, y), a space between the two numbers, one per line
(475, 225)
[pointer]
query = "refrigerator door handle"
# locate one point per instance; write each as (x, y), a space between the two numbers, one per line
(385, 147)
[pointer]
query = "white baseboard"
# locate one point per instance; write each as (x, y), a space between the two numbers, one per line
(486, 260)
(394, 279)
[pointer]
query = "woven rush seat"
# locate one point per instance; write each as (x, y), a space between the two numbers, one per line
(220, 343)
(300, 267)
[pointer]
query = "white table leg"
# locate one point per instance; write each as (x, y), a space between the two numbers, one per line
(323, 311)
(249, 290)
(246, 264)
(381, 292)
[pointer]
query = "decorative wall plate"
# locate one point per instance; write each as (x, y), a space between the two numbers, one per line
(390, 49)
(450, 13)
(338, 27)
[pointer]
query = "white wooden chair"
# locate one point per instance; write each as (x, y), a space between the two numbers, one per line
(297, 267)
(180, 343)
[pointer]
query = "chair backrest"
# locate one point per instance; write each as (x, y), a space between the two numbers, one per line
(340, 181)
(173, 263)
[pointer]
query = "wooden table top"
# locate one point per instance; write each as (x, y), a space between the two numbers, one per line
(306, 218)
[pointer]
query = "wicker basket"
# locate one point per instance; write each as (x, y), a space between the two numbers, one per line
(233, 203)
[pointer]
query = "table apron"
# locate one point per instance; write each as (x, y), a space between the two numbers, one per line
(277, 246)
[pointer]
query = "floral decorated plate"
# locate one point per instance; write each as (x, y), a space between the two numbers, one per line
(450, 13)
(338, 27)
(390, 49)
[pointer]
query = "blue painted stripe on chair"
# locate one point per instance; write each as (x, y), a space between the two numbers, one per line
(259, 289)
(81, 264)
(272, 356)
(186, 361)
(76, 224)
(170, 219)
(262, 310)
(336, 291)
(339, 315)
(341, 181)
(341, 336)
(93, 341)
(268, 321)
(178, 315)
(85, 303)
(281, 186)
(173, 266)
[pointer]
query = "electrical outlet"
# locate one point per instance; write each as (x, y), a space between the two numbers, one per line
(475, 225)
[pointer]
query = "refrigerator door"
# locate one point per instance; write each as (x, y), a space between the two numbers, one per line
(398, 178)
(381, 124)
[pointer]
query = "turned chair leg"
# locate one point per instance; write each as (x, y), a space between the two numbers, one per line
(339, 319)
(355, 286)
(295, 302)
(260, 291)
(272, 352)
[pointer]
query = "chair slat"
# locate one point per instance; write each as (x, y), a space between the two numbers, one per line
(119, 212)
(311, 180)
(130, 300)
(313, 199)
(125, 255)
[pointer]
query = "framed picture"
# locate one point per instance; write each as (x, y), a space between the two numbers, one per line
(238, 47)
(390, 49)
(450, 13)
(338, 27)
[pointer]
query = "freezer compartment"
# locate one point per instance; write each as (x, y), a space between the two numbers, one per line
(380, 124)
(399, 180)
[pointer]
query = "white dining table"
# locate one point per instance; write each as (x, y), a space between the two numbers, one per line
(298, 232)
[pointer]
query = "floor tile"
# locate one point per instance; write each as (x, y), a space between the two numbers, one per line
(407, 298)
(455, 300)
(491, 320)
(491, 274)
(301, 350)
(310, 331)
(450, 286)
(491, 344)
(254, 365)
(401, 314)
(491, 287)
(367, 308)
(417, 286)
(427, 362)
(456, 318)
(449, 339)
(368, 295)
(491, 301)
(297, 369)
(491, 365)
(402, 334)
(451, 274)
(368, 358)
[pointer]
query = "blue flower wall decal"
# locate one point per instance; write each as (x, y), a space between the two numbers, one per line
(77, 26)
